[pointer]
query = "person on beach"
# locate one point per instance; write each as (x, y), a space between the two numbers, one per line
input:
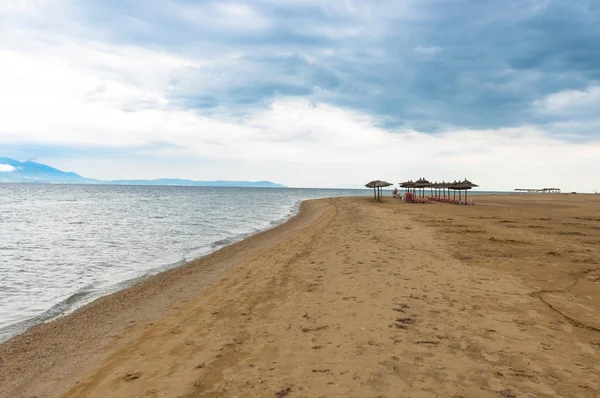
(395, 192)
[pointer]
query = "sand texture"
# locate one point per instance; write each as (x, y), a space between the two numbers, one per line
(350, 298)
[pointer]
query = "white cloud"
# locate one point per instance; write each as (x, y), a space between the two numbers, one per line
(571, 101)
(16, 6)
(236, 17)
(7, 168)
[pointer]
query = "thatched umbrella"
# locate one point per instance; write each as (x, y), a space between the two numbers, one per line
(436, 188)
(381, 185)
(371, 184)
(407, 185)
(377, 186)
(454, 186)
(466, 185)
(422, 183)
(444, 186)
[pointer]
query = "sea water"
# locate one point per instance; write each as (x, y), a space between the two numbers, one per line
(62, 246)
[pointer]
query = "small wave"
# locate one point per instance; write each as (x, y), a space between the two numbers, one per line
(62, 308)
(222, 242)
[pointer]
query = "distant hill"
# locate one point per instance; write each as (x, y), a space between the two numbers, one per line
(12, 170)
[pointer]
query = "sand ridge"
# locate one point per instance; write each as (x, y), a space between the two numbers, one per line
(393, 299)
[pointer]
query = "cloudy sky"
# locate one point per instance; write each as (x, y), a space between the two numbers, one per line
(306, 93)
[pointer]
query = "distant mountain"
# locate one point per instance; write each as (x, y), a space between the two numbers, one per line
(12, 170)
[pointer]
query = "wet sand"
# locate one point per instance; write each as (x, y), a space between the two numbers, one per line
(349, 298)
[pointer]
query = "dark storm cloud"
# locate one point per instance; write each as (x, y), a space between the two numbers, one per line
(421, 64)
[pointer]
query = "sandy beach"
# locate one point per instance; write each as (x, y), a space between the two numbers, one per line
(349, 298)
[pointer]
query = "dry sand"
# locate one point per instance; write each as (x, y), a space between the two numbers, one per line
(350, 298)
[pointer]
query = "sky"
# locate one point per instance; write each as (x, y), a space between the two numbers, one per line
(306, 93)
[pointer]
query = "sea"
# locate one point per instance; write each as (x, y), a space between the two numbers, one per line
(62, 246)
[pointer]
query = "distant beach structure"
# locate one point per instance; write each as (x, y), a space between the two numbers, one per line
(439, 191)
(538, 190)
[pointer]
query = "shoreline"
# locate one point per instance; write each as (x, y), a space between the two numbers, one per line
(209, 268)
(349, 297)
(22, 327)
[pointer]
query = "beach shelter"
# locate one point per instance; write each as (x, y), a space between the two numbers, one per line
(381, 185)
(465, 185)
(407, 185)
(371, 184)
(377, 186)
(422, 184)
(435, 187)
(453, 186)
(445, 186)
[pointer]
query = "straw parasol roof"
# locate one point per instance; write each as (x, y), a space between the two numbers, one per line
(377, 184)
(422, 183)
(466, 184)
(453, 185)
(407, 184)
